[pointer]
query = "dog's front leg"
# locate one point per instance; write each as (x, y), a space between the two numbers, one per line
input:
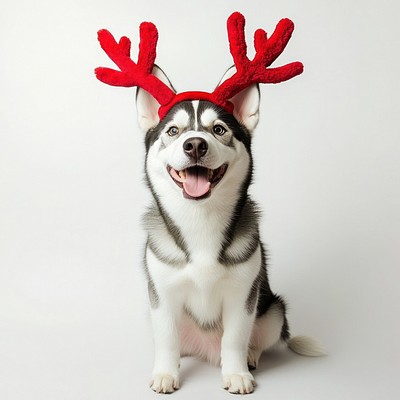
(166, 349)
(238, 324)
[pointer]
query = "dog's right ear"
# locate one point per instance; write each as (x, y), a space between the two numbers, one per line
(147, 106)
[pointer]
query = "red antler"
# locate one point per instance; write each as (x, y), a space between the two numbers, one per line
(267, 51)
(131, 73)
(247, 72)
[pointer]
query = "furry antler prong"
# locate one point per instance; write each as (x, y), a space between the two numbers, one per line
(267, 51)
(131, 73)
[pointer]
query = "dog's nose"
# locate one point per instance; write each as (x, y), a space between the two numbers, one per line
(195, 148)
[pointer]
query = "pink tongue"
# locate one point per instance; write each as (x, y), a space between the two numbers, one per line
(196, 184)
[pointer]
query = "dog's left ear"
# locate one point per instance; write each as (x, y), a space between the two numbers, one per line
(246, 103)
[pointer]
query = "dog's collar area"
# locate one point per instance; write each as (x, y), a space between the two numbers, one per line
(197, 181)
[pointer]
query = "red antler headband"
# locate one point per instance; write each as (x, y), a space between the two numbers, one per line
(247, 73)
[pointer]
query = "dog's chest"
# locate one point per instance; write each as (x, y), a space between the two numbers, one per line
(187, 259)
(204, 286)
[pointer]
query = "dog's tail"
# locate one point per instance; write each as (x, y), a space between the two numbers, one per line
(306, 346)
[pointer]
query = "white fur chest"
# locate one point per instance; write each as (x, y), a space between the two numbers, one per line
(199, 284)
(202, 286)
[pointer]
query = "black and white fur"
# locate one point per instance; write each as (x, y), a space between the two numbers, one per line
(204, 261)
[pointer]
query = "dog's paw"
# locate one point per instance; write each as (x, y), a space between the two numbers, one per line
(242, 383)
(253, 357)
(164, 383)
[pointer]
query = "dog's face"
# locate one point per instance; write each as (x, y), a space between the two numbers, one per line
(198, 151)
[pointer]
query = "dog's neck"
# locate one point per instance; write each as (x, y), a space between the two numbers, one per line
(203, 230)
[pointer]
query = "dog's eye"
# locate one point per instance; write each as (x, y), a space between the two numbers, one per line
(219, 130)
(173, 131)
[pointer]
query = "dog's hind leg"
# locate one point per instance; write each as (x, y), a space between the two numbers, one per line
(271, 328)
(268, 330)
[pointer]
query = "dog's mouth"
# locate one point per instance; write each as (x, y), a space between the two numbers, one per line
(197, 181)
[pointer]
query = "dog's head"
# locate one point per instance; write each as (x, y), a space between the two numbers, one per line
(198, 150)
(198, 143)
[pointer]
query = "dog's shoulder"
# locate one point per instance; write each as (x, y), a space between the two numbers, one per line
(242, 237)
(163, 238)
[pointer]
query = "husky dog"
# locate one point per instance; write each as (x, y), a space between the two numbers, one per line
(205, 264)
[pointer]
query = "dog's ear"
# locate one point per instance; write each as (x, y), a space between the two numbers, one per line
(246, 103)
(147, 106)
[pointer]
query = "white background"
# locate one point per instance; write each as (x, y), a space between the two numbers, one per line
(73, 305)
